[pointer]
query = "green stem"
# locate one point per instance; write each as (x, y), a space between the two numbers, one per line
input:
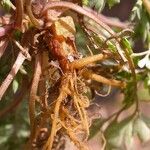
(132, 68)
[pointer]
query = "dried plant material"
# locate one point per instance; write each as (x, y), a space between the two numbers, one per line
(65, 27)
(64, 80)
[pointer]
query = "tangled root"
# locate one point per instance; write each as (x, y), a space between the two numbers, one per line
(71, 119)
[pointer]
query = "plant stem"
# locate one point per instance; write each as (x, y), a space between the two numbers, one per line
(23, 50)
(15, 68)
(3, 46)
(80, 10)
(132, 68)
(18, 97)
(99, 78)
(19, 13)
(77, 64)
(33, 92)
(109, 20)
(30, 14)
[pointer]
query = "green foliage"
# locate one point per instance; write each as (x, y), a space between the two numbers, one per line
(95, 127)
(14, 130)
(111, 47)
(136, 11)
(120, 133)
(6, 4)
(81, 40)
(126, 44)
(142, 130)
(85, 2)
(17, 34)
(129, 94)
(144, 62)
(98, 5)
(111, 3)
(15, 86)
(142, 19)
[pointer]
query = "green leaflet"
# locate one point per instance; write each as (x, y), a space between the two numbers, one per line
(98, 5)
(146, 120)
(144, 62)
(6, 4)
(15, 86)
(85, 2)
(111, 3)
(119, 133)
(81, 41)
(112, 47)
(126, 44)
(129, 92)
(95, 127)
(136, 11)
(142, 130)
(142, 19)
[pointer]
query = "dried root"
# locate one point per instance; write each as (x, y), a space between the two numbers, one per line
(72, 119)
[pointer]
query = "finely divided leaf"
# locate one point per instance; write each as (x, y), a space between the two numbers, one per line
(120, 133)
(142, 130)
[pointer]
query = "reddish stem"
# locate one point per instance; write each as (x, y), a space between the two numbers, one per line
(19, 13)
(30, 14)
(19, 61)
(80, 10)
(18, 97)
(33, 91)
(3, 46)
(108, 20)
